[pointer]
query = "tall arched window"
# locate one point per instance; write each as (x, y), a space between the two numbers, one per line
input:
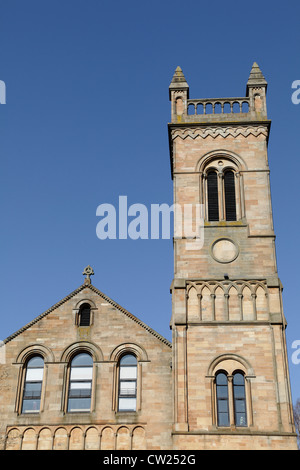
(239, 397)
(80, 383)
(127, 383)
(85, 315)
(229, 195)
(212, 196)
(31, 400)
(222, 399)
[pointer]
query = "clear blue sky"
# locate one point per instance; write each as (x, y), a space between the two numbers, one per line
(86, 121)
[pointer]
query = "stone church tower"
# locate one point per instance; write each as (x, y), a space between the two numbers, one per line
(230, 367)
(87, 374)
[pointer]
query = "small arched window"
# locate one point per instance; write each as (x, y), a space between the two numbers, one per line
(212, 196)
(222, 399)
(127, 383)
(85, 315)
(229, 195)
(31, 401)
(80, 383)
(239, 397)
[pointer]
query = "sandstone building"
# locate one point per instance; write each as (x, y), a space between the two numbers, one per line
(87, 374)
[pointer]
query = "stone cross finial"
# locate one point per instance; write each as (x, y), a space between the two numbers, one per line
(88, 271)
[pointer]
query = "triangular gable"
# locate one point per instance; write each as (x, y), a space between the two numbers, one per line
(104, 297)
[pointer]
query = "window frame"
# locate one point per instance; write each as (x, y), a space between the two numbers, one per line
(239, 400)
(222, 399)
(77, 380)
(39, 397)
(86, 320)
(134, 380)
(233, 422)
(220, 165)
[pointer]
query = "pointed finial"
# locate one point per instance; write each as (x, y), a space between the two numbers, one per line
(88, 271)
(256, 77)
(178, 81)
(178, 76)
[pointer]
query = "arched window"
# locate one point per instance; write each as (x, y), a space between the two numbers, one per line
(239, 397)
(229, 195)
(31, 401)
(85, 315)
(222, 399)
(212, 196)
(127, 383)
(221, 190)
(80, 383)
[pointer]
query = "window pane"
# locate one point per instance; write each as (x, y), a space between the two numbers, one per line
(221, 379)
(82, 359)
(222, 391)
(80, 389)
(128, 372)
(31, 406)
(129, 359)
(222, 399)
(79, 404)
(34, 375)
(127, 388)
(222, 406)
(32, 390)
(238, 379)
(239, 391)
(241, 419)
(83, 373)
(240, 406)
(223, 419)
(239, 400)
(127, 404)
(36, 361)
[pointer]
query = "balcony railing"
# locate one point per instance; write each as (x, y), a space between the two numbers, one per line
(218, 106)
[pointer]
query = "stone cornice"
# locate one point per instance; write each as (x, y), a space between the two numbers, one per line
(223, 131)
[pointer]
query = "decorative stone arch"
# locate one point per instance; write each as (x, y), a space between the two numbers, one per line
(76, 309)
(66, 358)
(133, 348)
(216, 285)
(107, 438)
(22, 359)
(45, 442)
(231, 364)
(138, 438)
(13, 439)
(215, 155)
(221, 161)
(91, 438)
(35, 349)
(82, 346)
(86, 300)
(60, 438)
(141, 355)
(75, 443)
(258, 284)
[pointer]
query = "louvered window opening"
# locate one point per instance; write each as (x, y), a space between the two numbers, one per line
(85, 315)
(229, 191)
(213, 196)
